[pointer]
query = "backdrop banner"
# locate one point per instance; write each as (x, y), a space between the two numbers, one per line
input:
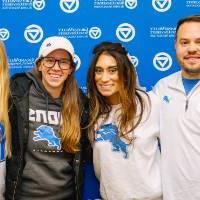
(146, 29)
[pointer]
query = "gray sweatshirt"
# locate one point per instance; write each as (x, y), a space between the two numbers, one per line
(48, 172)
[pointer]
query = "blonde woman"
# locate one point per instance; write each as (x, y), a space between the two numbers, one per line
(46, 113)
(124, 128)
(4, 120)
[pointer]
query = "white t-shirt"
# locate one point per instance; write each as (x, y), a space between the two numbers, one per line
(129, 172)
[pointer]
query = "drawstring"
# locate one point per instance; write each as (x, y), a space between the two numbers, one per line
(47, 107)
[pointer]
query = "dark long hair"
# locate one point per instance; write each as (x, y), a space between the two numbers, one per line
(130, 97)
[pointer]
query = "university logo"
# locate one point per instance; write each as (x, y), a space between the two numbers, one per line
(134, 60)
(95, 32)
(33, 33)
(77, 61)
(130, 4)
(162, 61)
(125, 32)
(161, 5)
(46, 133)
(4, 34)
(69, 6)
(38, 4)
(109, 132)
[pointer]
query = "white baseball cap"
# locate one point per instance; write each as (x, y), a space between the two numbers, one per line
(55, 42)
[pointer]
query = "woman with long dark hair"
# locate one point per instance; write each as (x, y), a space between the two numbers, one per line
(123, 129)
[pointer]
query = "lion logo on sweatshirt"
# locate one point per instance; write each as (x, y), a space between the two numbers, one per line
(46, 133)
(109, 132)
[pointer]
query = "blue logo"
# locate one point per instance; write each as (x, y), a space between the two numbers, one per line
(161, 5)
(109, 132)
(4, 34)
(38, 4)
(166, 99)
(69, 6)
(130, 4)
(2, 144)
(162, 61)
(33, 33)
(95, 32)
(125, 32)
(77, 61)
(134, 60)
(47, 133)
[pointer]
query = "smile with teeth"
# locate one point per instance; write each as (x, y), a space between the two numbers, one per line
(107, 86)
(54, 75)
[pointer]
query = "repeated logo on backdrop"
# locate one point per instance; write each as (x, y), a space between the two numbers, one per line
(33, 33)
(69, 6)
(115, 4)
(38, 4)
(4, 34)
(77, 61)
(161, 5)
(130, 4)
(162, 61)
(125, 32)
(134, 60)
(149, 36)
(95, 32)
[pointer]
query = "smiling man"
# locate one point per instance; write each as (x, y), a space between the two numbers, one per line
(180, 116)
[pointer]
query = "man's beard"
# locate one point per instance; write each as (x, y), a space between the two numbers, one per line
(189, 69)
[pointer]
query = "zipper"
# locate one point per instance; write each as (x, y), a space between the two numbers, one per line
(15, 99)
(77, 171)
(16, 182)
(186, 105)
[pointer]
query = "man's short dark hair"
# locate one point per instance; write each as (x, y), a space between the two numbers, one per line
(192, 18)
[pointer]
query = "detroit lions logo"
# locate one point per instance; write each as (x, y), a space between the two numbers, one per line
(109, 132)
(166, 99)
(45, 132)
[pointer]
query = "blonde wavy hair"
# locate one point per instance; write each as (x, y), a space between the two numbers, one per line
(4, 96)
(70, 130)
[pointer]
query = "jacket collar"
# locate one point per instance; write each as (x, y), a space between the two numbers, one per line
(19, 85)
(176, 83)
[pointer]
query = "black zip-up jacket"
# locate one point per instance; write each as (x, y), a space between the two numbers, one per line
(19, 118)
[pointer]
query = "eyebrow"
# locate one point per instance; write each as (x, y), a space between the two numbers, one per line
(114, 66)
(57, 59)
(189, 38)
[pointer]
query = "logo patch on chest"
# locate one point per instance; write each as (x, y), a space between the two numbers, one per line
(46, 133)
(109, 132)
